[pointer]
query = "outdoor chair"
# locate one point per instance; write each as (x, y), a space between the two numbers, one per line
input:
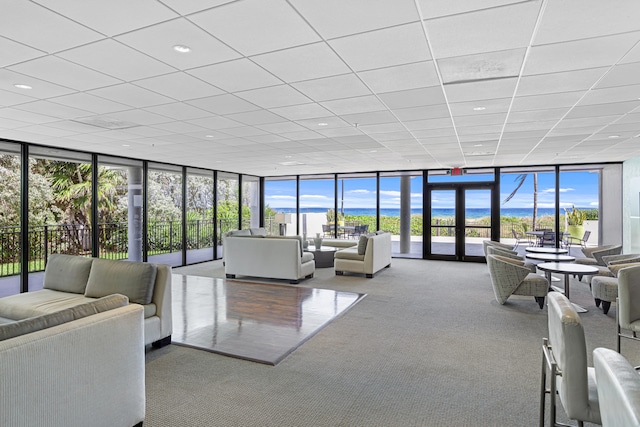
(618, 389)
(628, 304)
(564, 357)
(582, 241)
(511, 277)
(548, 238)
(326, 230)
(358, 230)
(520, 239)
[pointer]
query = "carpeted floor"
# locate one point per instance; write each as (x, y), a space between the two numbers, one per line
(429, 346)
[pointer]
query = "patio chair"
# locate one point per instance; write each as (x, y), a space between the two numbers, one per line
(358, 230)
(582, 241)
(520, 239)
(327, 230)
(548, 238)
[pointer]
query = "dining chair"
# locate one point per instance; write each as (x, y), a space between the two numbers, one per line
(618, 389)
(564, 357)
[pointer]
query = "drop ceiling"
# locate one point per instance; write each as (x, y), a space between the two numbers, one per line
(283, 87)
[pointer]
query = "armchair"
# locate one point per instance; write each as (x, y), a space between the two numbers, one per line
(494, 250)
(628, 312)
(618, 389)
(565, 358)
(512, 277)
(502, 246)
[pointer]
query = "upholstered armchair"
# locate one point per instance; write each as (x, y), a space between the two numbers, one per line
(593, 256)
(511, 277)
(495, 250)
(604, 286)
(502, 246)
(618, 389)
(565, 358)
(628, 312)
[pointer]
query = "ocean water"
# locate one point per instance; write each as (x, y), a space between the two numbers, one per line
(470, 213)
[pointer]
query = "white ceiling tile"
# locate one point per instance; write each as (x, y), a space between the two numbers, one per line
(158, 41)
(401, 77)
(613, 94)
(371, 118)
(335, 18)
(486, 106)
(274, 96)
(413, 97)
(301, 135)
(179, 86)
(139, 117)
(87, 102)
(47, 131)
(6, 124)
(599, 110)
(39, 88)
(537, 115)
(53, 110)
(382, 128)
(541, 102)
(13, 53)
(259, 117)
(478, 91)
(256, 26)
(481, 119)
(173, 127)
(438, 8)
(579, 54)
(559, 82)
(489, 30)
(581, 19)
(25, 116)
(282, 127)
(383, 48)
(422, 113)
(223, 104)
(340, 132)
(301, 112)
(414, 125)
(244, 131)
(64, 73)
(302, 63)
(358, 104)
(108, 17)
(117, 60)
(215, 123)
(328, 88)
(178, 111)
(238, 75)
(8, 99)
(19, 135)
(40, 28)
(131, 95)
(621, 75)
(185, 7)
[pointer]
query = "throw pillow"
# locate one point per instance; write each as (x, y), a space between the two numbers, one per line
(362, 244)
(67, 273)
(258, 231)
(135, 280)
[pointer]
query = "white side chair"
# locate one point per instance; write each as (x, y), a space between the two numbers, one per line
(565, 358)
(628, 311)
(618, 389)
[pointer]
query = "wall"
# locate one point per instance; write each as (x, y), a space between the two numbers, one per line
(611, 197)
(631, 206)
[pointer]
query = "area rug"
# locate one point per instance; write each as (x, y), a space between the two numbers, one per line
(258, 322)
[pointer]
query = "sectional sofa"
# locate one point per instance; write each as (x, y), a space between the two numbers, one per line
(72, 280)
(80, 366)
(372, 254)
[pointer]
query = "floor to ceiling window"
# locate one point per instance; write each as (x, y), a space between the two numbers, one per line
(580, 204)
(527, 203)
(200, 221)
(59, 207)
(357, 200)
(317, 207)
(10, 219)
(227, 188)
(279, 201)
(164, 214)
(401, 211)
(120, 208)
(250, 201)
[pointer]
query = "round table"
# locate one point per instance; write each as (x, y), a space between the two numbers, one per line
(567, 269)
(550, 257)
(539, 250)
(323, 256)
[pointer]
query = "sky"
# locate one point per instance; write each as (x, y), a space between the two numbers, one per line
(578, 189)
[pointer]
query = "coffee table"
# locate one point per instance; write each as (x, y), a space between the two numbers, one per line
(567, 269)
(539, 250)
(322, 256)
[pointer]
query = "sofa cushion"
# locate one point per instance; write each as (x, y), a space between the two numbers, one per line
(32, 324)
(615, 269)
(258, 231)
(362, 244)
(306, 257)
(67, 273)
(133, 279)
(36, 303)
(349, 253)
(244, 232)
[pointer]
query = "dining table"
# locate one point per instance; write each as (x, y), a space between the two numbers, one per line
(566, 269)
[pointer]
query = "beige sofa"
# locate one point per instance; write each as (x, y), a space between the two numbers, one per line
(267, 257)
(83, 371)
(72, 280)
(372, 254)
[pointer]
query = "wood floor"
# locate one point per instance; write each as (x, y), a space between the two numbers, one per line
(258, 322)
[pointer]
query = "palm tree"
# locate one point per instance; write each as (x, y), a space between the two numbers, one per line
(520, 179)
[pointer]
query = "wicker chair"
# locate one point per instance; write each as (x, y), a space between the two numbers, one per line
(511, 277)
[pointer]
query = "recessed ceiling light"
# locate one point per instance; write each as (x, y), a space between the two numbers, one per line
(209, 136)
(323, 124)
(287, 157)
(478, 145)
(125, 145)
(614, 136)
(19, 86)
(182, 48)
(373, 151)
(478, 108)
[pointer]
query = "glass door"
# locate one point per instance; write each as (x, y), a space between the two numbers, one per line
(460, 219)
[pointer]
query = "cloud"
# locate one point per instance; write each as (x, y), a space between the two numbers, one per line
(314, 196)
(359, 191)
(390, 193)
(596, 204)
(553, 190)
(281, 197)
